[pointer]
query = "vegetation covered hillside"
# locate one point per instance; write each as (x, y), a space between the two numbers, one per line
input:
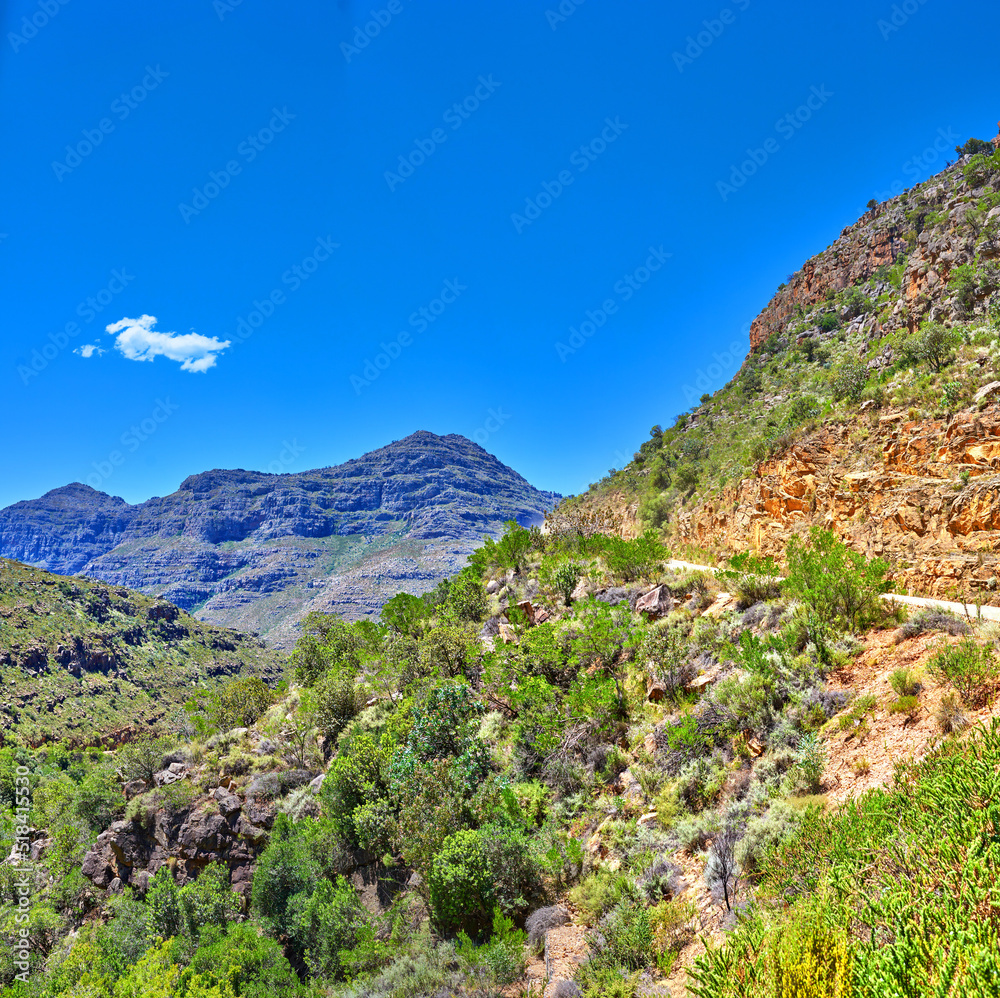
(82, 660)
(868, 404)
(566, 771)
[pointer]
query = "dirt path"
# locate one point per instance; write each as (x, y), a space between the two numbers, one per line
(962, 609)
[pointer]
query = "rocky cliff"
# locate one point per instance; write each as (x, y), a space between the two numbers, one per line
(868, 404)
(258, 551)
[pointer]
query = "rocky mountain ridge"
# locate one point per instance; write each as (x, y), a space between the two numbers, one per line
(259, 550)
(867, 404)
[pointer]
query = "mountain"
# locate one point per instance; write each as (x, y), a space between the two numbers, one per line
(81, 659)
(869, 404)
(258, 551)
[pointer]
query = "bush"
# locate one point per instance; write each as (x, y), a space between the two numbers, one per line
(778, 824)
(565, 580)
(601, 891)
(904, 683)
(908, 705)
(143, 758)
(849, 381)
(838, 586)
(497, 963)
(467, 598)
(284, 870)
(324, 922)
(752, 578)
(624, 938)
(933, 345)
(665, 648)
(828, 322)
(969, 667)
(672, 923)
(855, 302)
(932, 620)
(541, 921)
(634, 559)
(949, 715)
(479, 872)
(356, 790)
(335, 702)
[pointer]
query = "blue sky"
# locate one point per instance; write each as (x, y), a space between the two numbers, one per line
(513, 220)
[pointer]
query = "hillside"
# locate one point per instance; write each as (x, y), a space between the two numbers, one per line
(565, 774)
(83, 660)
(868, 404)
(259, 551)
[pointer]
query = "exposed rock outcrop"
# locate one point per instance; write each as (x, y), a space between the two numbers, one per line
(925, 495)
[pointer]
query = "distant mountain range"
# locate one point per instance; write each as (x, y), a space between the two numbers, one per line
(258, 551)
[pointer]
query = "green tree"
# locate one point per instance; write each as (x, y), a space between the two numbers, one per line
(933, 345)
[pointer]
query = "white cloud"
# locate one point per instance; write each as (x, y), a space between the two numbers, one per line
(137, 340)
(88, 350)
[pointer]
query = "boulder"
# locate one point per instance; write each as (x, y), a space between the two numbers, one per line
(986, 391)
(133, 788)
(507, 634)
(656, 603)
(229, 804)
(165, 777)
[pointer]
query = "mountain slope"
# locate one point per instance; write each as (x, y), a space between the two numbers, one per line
(258, 551)
(868, 404)
(79, 659)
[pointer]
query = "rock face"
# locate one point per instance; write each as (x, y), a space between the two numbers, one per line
(928, 499)
(257, 551)
(189, 839)
(927, 226)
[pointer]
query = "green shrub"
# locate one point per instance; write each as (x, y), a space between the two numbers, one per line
(754, 579)
(855, 302)
(840, 923)
(597, 980)
(467, 597)
(837, 585)
(849, 381)
(625, 939)
(969, 667)
(324, 922)
(143, 758)
(405, 614)
(908, 705)
(499, 962)
(665, 649)
(903, 682)
(285, 869)
(565, 580)
(630, 560)
(477, 873)
(932, 345)
(778, 824)
(335, 702)
(828, 322)
(602, 891)
(355, 793)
